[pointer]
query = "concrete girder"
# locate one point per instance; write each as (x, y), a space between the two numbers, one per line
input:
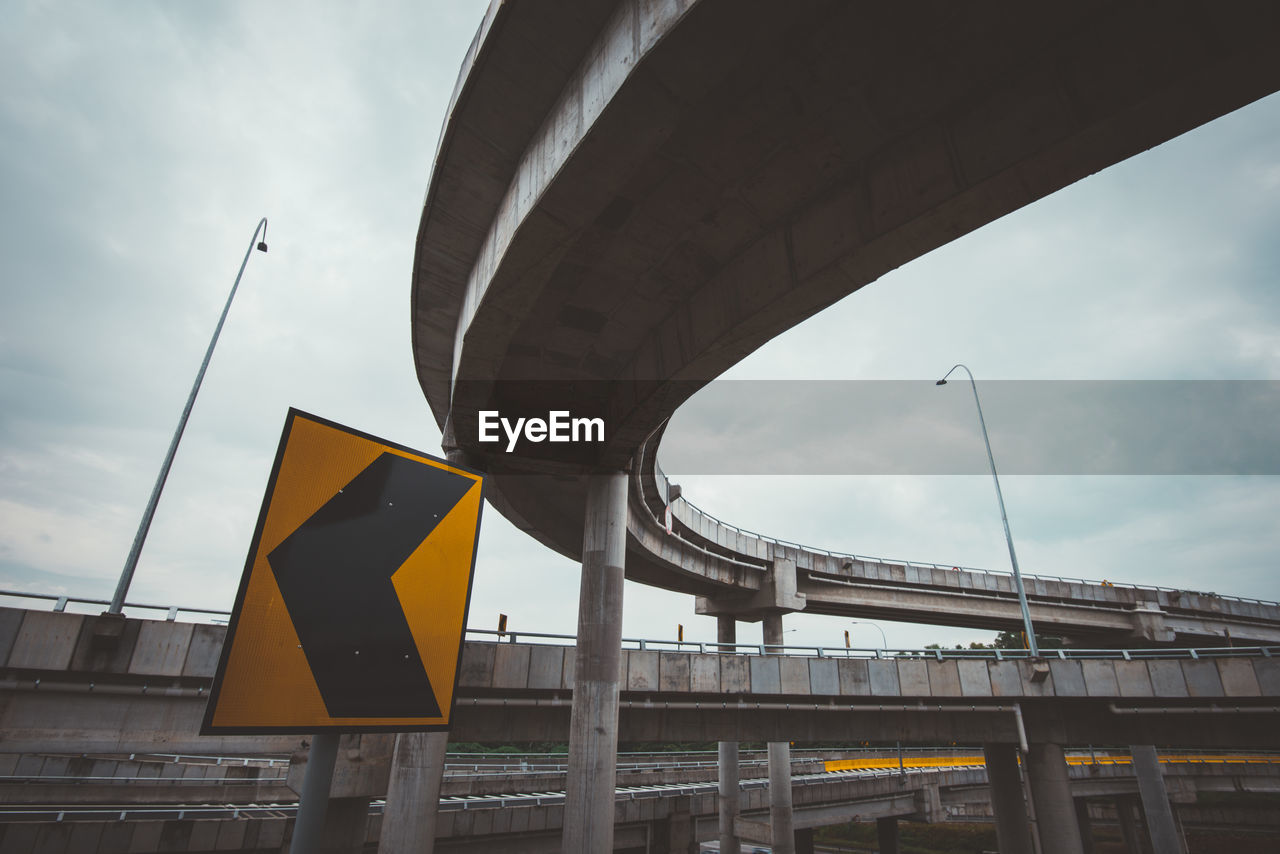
(778, 595)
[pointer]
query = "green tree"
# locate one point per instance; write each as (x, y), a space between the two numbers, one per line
(1013, 640)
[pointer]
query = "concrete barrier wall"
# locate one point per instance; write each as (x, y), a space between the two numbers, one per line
(510, 667)
(46, 642)
(144, 837)
(55, 641)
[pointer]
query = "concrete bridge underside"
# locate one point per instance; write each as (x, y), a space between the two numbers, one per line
(629, 197)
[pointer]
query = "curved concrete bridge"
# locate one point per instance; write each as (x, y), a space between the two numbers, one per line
(752, 575)
(630, 197)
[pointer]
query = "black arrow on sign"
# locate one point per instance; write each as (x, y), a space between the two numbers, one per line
(334, 573)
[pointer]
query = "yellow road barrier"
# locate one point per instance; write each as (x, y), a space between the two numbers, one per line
(891, 762)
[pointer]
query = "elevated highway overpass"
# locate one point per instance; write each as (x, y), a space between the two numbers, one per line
(630, 197)
(69, 688)
(754, 575)
(86, 684)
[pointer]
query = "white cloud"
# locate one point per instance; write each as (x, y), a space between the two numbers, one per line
(62, 541)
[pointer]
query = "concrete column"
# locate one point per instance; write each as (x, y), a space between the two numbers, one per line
(887, 835)
(782, 834)
(782, 830)
(344, 826)
(1055, 810)
(680, 829)
(1086, 825)
(413, 793)
(1013, 830)
(1182, 831)
(593, 727)
(1155, 801)
(729, 794)
(1128, 826)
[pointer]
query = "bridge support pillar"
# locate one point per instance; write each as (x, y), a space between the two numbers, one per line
(1086, 825)
(1055, 809)
(593, 726)
(1129, 825)
(782, 828)
(1013, 830)
(887, 835)
(781, 821)
(413, 795)
(1161, 829)
(345, 826)
(729, 802)
(676, 833)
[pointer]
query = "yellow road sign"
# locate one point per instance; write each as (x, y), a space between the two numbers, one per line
(353, 603)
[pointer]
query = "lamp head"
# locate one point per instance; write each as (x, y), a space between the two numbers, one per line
(941, 382)
(262, 246)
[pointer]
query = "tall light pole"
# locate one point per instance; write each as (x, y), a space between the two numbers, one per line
(876, 626)
(126, 576)
(1013, 556)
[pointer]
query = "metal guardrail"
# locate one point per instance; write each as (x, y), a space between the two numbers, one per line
(60, 603)
(927, 565)
(456, 802)
(141, 813)
(204, 759)
(539, 798)
(808, 651)
(686, 760)
(47, 779)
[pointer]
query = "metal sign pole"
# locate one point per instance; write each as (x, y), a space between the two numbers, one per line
(313, 801)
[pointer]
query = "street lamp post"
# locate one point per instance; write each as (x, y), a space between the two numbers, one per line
(1013, 556)
(126, 576)
(883, 639)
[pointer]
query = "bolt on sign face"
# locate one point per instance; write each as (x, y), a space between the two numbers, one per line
(353, 603)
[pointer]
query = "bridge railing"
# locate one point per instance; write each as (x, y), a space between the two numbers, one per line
(81, 605)
(808, 651)
(715, 647)
(1065, 579)
(105, 780)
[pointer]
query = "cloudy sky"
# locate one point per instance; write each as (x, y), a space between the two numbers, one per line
(143, 141)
